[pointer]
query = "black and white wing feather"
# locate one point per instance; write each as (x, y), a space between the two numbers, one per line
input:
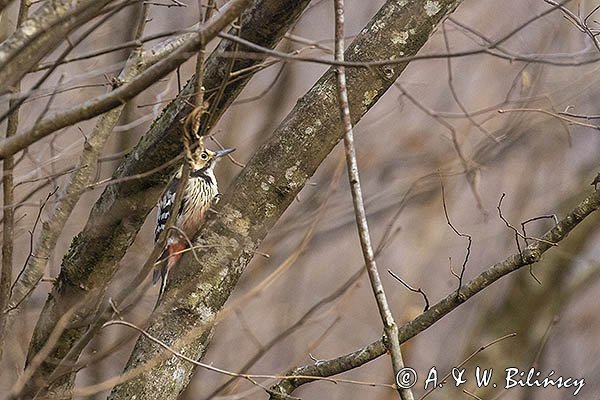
(165, 205)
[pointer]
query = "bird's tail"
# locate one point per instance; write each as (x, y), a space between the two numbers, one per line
(161, 266)
(160, 273)
(167, 260)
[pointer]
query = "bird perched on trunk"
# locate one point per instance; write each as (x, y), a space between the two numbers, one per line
(199, 194)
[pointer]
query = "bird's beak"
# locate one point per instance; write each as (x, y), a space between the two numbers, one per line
(221, 153)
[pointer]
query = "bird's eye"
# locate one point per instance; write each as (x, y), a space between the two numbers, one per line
(204, 155)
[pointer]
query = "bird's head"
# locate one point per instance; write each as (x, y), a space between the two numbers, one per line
(205, 159)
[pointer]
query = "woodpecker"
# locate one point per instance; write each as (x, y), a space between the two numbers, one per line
(199, 194)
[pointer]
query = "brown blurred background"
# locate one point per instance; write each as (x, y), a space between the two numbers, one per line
(543, 164)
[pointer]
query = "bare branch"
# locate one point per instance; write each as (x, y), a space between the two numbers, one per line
(40, 357)
(31, 248)
(412, 289)
(41, 34)
(517, 233)
(444, 379)
(82, 176)
(8, 217)
(127, 91)
(552, 114)
(71, 45)
(465, 235)
(458, 102)
(531, 254)
(389, 324)
(582, 25)
(88, 391)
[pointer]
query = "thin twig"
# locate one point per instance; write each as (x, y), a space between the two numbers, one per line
(466, 360)
(524, 223)
(87, 391)
(517, 233)
(552, 114)
(471, 394)
(582, 116)
(207, 123)
(544, 342)
(30, 255)
(470, 169)
(43, 354)
(581, 25)
(458, 102)
(390, 327)
(465, 235)
(412, 289)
